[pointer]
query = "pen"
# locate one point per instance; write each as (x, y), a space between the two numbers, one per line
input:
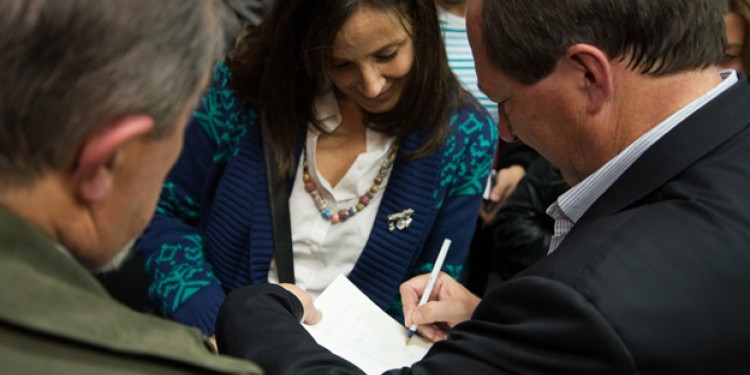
(431, 283)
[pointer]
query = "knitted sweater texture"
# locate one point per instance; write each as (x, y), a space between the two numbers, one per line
(212, 230)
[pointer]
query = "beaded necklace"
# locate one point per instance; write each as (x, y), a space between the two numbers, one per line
(342, 215)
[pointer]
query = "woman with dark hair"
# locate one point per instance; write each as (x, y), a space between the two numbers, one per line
(737, 52)
(383, 153)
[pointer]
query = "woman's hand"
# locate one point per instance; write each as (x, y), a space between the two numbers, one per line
(311, 314)
(505, 184)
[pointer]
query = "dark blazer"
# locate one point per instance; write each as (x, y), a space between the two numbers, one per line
(654, 279)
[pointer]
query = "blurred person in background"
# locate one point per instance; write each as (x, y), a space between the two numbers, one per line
(737, 53)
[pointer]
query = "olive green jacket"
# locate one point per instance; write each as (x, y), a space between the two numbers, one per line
(55, 318)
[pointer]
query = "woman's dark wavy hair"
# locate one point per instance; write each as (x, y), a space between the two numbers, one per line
(742, 8)
(525, 38)
(280, 66)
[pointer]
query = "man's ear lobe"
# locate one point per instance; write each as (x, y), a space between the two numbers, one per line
(100, 154)
(597, 74)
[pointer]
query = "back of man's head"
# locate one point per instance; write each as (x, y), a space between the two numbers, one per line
(525, 38)
(70, 67)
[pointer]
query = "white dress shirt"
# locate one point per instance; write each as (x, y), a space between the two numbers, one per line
(323, 250)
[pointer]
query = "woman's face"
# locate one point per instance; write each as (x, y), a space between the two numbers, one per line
(371, 58)
(736, 31)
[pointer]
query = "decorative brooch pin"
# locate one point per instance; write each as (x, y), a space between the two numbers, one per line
(400, 220)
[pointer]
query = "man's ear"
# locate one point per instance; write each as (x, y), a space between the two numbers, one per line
(597, 74)
(95, 163)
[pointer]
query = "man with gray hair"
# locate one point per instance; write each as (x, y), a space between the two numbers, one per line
(647, 272)
(93, 103)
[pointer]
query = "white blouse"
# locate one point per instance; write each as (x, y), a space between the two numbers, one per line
(323, 250)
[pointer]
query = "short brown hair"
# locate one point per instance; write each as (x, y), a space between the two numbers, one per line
(525, 38)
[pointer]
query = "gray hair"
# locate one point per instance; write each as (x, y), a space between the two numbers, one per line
(69, 68)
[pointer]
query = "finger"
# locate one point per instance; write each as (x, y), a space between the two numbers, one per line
(310, 314)
(432, 332)
(416, 282)
(485, 216)
(441, 311)
(498, 191)
(498, 206)
(506, 181)
(314, 316)
(212, 341)
(411, 291)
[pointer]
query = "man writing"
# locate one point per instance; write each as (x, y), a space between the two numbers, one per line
(648, 268)
(93, 104)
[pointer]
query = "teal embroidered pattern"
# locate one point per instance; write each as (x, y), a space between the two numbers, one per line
(454, 270)
(221, 118)
(170, 201)
(185, 279)
(466, 163)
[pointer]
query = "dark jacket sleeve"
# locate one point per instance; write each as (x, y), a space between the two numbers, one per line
(529, 325)
(262, 321)
(522, 229)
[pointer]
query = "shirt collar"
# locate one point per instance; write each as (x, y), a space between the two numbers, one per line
(326, 111)
(574, 203)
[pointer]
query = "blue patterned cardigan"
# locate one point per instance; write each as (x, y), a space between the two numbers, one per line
(212, 229)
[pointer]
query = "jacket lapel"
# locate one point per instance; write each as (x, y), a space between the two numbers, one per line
(696, 136)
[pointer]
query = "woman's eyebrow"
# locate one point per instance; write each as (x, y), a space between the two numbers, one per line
(380, 50)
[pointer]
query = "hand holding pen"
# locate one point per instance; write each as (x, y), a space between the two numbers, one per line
(450, 303)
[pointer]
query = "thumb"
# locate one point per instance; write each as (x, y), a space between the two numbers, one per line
(416, 318)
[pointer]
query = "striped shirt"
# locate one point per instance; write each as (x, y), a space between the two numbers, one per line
(571, 205)
(460, 58)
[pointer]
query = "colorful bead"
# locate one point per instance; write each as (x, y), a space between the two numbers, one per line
(364, 200)
(344, 214)
(310, 186)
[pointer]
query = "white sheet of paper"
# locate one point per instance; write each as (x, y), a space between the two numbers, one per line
(356, 329)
